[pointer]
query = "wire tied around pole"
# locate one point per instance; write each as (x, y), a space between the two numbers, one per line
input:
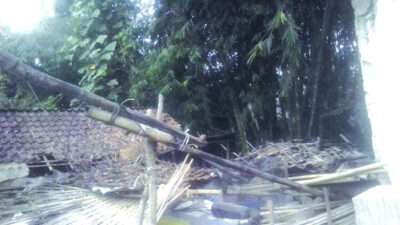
(115, 112)
(184, 142)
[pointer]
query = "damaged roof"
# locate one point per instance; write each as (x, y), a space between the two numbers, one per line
(65, 135)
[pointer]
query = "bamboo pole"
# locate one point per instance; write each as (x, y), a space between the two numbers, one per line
(131, 125)
(142, 205)
(151, 164)
(12, 67)
(270, 205)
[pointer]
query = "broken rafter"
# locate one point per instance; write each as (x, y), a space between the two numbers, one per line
(12, 67)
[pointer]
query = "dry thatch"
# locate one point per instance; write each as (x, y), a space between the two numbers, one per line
(48, 203)
(306, 157)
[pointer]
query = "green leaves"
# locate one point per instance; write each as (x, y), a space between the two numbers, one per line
(112, 82)
(110, 47)
(100, 39)
(101, 46)
(96, 13)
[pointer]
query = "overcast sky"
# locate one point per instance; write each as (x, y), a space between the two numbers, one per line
(24, 15)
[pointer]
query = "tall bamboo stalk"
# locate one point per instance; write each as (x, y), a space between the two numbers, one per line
(318, 64)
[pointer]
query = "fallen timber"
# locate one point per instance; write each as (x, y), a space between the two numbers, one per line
(12, 67)
(192, 150)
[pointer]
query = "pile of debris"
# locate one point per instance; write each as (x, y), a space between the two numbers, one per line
(95, 166)
(305, 157)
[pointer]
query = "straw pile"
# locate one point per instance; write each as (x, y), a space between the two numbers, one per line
(60, 204)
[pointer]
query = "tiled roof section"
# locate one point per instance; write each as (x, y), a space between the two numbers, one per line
(66, 135)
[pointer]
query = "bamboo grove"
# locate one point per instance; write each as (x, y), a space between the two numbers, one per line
(266, 70)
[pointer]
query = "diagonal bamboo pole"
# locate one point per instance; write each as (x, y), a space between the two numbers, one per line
(12, 67)
(132, 126)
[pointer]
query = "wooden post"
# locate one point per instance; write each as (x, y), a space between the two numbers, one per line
(142, 204)
(270, 205)
(152, 177)
(160, 107)
(328, 206)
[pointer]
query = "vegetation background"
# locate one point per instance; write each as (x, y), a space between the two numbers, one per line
(268, 70)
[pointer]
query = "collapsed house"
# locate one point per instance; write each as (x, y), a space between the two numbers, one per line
(97, 173)
(74, 160)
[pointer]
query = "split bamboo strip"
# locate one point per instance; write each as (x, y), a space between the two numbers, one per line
(340, 175)
(314, 176)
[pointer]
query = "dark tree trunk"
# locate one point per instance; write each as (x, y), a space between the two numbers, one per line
(318, 65)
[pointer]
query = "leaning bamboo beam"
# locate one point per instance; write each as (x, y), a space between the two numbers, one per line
(14, 68)
(168, 139)
(131, 125)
